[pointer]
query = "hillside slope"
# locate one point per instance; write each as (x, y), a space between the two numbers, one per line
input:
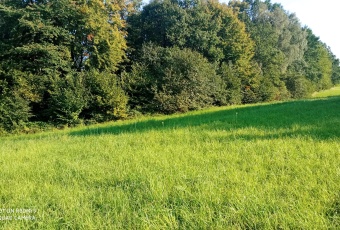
(256, 166)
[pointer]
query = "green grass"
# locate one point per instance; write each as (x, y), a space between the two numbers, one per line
(335, 91)
(268, 166)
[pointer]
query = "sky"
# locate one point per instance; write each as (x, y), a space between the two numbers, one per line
(322, 17)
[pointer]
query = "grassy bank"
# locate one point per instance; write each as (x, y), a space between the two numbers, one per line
(264, 166)
(335, 91)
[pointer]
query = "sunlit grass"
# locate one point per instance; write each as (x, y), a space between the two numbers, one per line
(335, 91)
(266, 166)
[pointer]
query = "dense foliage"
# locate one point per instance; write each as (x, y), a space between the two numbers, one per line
(172, 79)
(55, 58)
(68, 62)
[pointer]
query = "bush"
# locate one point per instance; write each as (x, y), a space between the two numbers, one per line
(172, 80)
(68, 98)
(14, 106)
(299, 87)
(248, 95)
(231, 83)
(14, 112)
(107, 100)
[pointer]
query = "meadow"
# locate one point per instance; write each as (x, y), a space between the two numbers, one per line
(266, 166)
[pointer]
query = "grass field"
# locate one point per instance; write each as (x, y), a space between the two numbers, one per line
(335, 91)
(268, 166)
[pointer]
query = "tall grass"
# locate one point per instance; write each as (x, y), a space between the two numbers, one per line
(266, 166)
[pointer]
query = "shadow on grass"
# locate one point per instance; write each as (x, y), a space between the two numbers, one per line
(317, 118)
(333, 213)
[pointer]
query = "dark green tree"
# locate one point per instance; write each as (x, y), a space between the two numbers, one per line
(207, 27)
(172, 80)
(319, 63)
(46, 44)
(280, 41)
(335, 68)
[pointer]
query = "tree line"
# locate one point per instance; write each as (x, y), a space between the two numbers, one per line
(74, 61)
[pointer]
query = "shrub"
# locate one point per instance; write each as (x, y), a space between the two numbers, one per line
(107, 100)
(299, 86)
(172, 80)
(249, 95)
(231, 83)
(14, 112)
(14, 106)
(67, 100)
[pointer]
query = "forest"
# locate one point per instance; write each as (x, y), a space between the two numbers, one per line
(70, 62)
